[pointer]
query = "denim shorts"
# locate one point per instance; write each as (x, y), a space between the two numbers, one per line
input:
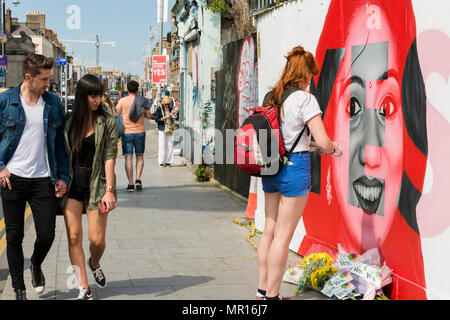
(294, 180)
(133, 141)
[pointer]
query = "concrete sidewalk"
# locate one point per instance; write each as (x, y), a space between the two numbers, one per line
(174, 240)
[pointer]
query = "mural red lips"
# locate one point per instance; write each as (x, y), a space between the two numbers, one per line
(369, 192)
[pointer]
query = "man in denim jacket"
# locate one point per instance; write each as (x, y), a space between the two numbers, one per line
(33, 167)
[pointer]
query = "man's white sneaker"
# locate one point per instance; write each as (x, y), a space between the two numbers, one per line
(37, 278)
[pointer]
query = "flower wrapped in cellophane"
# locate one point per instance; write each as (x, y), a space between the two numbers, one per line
(317, 269)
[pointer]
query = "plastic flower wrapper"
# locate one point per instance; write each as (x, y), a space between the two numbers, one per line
(368, 276)
(293, 274)
(317, 269)
(386, 278)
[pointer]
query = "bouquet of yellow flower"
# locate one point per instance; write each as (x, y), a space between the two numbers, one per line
(317, 269)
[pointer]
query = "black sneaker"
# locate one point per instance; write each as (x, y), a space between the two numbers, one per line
(99, 276)
(21, 294)
(138, 184)
(37, 278)
(130, 188)
(162, 165)
(85, 294)
(167, 165)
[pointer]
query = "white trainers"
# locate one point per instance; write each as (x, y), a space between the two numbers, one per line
(37, 278)
(85, 294)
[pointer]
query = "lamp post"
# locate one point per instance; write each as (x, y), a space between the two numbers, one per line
(15, 3)
(4, 38)
(3, 26)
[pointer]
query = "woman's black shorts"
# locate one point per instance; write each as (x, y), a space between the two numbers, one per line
(79, 190)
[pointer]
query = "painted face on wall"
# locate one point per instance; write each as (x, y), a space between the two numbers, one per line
(369, 125)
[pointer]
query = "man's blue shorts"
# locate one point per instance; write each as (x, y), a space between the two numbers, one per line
(294, 180)
(133, 142)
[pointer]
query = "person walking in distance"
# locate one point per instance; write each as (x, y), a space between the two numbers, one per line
(108, 106)
(91, 136)
(286, 194)
(134, 108)
(33, 167)
(165, 116)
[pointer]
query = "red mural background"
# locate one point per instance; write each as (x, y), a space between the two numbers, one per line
(373, 99)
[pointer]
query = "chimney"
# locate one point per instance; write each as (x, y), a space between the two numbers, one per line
(8, 22)
(36, 21)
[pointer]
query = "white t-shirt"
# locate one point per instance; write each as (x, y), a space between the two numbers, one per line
(30, 158)
(299, 107)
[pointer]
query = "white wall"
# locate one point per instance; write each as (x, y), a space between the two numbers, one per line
(297, 23)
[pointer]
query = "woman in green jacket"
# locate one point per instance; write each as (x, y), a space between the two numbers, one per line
(91, 144)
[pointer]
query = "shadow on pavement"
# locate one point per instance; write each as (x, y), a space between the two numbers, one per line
(155, 287)
(186, 197)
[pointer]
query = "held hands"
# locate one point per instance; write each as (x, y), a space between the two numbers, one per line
(109, 200)
(4, 178)
(60, 188)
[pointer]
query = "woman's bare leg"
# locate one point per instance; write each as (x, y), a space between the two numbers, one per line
(73, 211)
(289, 212)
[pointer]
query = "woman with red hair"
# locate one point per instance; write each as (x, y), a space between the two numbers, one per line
(286, 194)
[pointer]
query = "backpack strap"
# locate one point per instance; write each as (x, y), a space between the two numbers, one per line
(287, 155)
(285, 95)
(288, 92)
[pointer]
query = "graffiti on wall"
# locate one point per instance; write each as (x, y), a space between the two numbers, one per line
(208, 133)
(247, 80)
(236, 68)
(372, 94)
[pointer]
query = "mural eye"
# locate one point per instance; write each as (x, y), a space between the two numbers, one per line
(387, 106)
(355, 107)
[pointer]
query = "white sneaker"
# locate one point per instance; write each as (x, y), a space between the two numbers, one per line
(37, 278)
(85, 294)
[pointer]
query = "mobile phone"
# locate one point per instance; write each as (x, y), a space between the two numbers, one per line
(102, 207)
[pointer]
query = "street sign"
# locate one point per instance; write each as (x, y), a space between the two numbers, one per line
(61, 61)
(3, 63)
(159, 69)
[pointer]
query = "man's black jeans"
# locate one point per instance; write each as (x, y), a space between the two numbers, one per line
(40, 194)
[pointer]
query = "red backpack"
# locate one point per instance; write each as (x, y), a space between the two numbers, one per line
(259, 149)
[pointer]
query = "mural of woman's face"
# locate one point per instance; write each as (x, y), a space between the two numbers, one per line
(369, 125)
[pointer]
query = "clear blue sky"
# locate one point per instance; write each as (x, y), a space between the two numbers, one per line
(125, 22)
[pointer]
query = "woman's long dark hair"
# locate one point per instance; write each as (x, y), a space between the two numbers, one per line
(87, 85)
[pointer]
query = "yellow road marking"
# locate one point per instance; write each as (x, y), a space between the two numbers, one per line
(2, 244)
(2, 225)
(27, 212)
